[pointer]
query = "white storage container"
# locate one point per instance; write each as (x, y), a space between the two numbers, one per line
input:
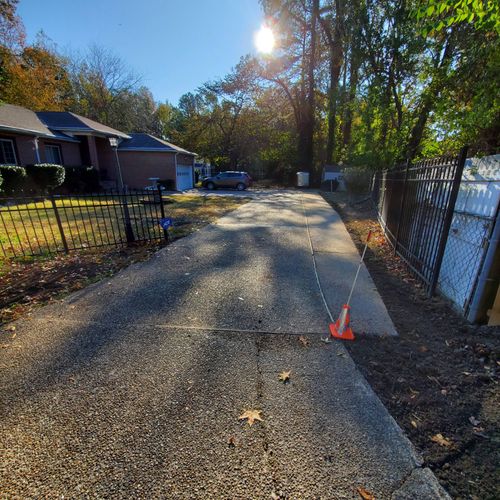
(302, 179)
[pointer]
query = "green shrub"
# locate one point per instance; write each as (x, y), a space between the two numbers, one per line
(357, 179)
(80, 180)
(45, 176)
(13, 176)
(168, 184)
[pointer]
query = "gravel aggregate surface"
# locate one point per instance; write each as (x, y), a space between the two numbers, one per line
(133, 387)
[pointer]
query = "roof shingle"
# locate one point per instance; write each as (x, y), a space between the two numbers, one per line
(148, 142)
(65, 120)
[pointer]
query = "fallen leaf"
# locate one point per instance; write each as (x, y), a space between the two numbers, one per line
(423, 348)
(284, 376)
(251, 416)
(365, 494)
(474, 421)
(304, 341)
(414, 424)
(441, 440)
(231, 442)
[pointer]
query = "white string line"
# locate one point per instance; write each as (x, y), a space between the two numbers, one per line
(325, 303)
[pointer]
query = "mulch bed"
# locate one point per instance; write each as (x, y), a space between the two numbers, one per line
(439, 377)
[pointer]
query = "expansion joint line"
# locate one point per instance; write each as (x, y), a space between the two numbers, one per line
(315, 267)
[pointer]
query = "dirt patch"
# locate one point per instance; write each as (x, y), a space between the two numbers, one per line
(440, 376)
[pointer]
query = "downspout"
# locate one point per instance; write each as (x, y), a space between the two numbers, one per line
(476, 306)
(175, 163)
(37, 151)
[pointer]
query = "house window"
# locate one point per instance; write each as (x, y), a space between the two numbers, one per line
(53, 154)
(7, 152)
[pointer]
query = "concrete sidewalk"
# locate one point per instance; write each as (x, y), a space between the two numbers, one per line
(133, 387)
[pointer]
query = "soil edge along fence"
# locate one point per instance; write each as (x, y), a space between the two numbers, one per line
(415, 204)
(39, 225)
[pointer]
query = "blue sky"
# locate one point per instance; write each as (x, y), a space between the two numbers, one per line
(176, 45)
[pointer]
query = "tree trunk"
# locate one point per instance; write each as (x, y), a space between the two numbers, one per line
(334, 40)
(353, 84)
(335, 65)
(306, 129)
(429, 97)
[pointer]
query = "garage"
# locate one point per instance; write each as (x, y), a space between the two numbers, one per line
(143, 157)
(184, 177)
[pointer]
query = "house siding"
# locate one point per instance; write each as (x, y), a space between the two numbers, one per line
(138, 166)
(185, 159)
(106, 159)
(26, 154)
(25, 149)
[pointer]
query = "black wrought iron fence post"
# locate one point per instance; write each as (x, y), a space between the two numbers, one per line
(162, 212)
(59, 223)
(129, 232)
(402, 206)
(447, 220)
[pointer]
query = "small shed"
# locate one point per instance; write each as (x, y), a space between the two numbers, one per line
(333, 173)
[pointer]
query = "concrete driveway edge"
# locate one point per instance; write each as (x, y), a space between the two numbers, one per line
(421, 484)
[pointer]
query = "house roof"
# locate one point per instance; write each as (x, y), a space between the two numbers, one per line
(24, 121)
(71, 122)
(148, 142)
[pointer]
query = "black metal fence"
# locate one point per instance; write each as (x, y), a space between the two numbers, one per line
(415, 209)
(38, 225)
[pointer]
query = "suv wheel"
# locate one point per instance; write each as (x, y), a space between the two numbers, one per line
(210, 185)
(240, 186)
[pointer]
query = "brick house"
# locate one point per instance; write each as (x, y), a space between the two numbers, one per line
(69, 139)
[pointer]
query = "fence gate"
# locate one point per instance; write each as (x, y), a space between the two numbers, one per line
(415, 209)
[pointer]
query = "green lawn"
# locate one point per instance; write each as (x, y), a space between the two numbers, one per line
(32, 228)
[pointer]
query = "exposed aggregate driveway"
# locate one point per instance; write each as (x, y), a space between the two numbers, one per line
(132, 388)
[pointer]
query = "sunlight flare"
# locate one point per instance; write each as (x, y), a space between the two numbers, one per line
(264, 40)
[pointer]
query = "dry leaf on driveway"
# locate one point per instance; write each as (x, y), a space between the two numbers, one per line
(441, 440)
(365, 494)
(285, 376)
(304, 341)
(251, 416)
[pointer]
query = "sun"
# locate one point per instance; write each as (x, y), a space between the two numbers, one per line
(264, 40)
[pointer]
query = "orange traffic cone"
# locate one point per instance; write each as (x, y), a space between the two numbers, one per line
(341, 329)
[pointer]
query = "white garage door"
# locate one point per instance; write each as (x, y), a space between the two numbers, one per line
(184, 177)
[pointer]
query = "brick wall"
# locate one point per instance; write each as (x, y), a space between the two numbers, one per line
(138, 166)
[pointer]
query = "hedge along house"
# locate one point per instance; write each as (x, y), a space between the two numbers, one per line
(143, 157)
(69, 139)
